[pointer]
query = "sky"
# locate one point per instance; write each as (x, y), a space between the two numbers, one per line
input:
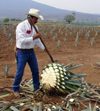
(85, 6)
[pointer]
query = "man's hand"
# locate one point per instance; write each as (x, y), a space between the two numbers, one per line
(36, 36)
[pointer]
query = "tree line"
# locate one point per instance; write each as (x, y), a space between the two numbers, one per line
(12, 19)
(68, 18)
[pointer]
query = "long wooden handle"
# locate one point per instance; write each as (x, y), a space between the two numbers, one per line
(41, 40)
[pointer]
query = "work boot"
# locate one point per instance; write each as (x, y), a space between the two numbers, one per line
(17, 95)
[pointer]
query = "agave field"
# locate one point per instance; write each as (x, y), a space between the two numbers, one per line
(71, 46)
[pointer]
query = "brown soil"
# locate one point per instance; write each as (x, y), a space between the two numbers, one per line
(84, 53)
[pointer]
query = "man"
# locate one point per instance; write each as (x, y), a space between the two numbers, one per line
(26, 39)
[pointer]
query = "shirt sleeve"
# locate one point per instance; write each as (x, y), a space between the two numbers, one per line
(39, 43)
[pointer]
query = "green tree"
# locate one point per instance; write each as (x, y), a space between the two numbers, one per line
(18, 19)
(6, 20)
(13, 19)
(69, 18)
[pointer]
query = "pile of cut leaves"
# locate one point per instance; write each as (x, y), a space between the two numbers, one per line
(56, 78)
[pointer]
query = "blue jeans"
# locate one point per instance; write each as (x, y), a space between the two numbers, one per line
(24, 57)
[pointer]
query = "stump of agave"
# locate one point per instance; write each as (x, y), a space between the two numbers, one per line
(59, 78)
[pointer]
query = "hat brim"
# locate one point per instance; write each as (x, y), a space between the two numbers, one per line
(40, 16)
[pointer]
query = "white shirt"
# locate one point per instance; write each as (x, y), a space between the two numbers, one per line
(24, 36)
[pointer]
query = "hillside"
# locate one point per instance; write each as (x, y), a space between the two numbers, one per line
(17, 8)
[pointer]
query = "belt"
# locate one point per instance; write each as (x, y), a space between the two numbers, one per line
(25, 49)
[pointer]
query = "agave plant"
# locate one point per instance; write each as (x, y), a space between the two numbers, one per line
(0, 47)
(77, 39)
(6, 70)
(59, 77)
(58, 43)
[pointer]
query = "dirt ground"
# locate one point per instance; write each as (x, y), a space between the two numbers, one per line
(84, 53)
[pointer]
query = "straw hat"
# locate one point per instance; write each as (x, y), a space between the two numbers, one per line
(36, 13)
